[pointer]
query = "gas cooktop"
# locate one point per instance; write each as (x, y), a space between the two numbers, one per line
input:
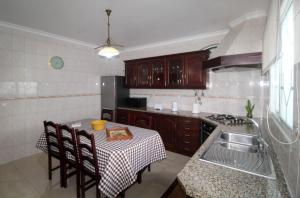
(228, 119)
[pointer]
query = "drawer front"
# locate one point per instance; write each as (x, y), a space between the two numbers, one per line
(123, 116)
(143, 120)
(188, 124)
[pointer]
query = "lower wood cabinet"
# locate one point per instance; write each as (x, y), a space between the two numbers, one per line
(188, 135)
(124, 117)
(166, 127)
(179, 134)
(143, 120)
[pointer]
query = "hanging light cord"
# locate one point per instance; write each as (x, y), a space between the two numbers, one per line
(108, 41)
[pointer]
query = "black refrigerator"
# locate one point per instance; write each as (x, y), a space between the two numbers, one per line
(113, 95)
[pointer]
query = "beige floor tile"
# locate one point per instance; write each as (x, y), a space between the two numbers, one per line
(28, 178)
(16, 189)
(8, 173)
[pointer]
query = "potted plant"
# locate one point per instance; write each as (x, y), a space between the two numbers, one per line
(249, 109)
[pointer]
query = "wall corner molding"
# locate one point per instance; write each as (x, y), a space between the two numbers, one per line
(46, 34)
(250, 15)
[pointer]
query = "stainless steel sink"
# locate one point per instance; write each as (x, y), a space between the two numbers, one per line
(240, 152)
(240, 147)
(239, 138)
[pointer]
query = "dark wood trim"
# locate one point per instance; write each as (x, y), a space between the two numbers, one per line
(248, 59)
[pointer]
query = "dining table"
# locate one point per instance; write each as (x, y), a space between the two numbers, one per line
(119, 161)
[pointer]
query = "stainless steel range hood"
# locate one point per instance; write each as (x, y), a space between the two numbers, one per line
(241, 48)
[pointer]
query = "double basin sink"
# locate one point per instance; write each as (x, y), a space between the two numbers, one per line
(242, 152)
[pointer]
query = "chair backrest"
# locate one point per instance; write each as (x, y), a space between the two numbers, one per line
(52, 138)
(87, 152)
(68, 144)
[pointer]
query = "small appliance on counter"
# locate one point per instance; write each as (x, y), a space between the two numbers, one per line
(113, 95)
(136, 102)
(174, 107)
(158, 107)
(196, 108)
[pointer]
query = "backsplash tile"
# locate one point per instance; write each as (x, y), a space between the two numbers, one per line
(227, 92)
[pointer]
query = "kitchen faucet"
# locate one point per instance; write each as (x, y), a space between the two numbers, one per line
(261, 140)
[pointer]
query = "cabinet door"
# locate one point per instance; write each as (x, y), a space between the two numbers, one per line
(188, 135)
(194, 73)
(166, 126)
(175, 71)
(144, 74)
(143, 120)
(130, 75)
(158, 79)
(124, 116)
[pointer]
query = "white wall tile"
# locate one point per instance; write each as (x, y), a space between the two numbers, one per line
(25, 73)
(5, 41)
(18, 42)
(5, 56)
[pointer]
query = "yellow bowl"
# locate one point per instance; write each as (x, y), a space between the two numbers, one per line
(98, 125)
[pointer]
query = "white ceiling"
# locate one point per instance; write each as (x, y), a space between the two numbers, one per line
(133, 22)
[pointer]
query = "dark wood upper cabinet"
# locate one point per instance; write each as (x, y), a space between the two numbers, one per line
(144, 74)
(158, 78)
(181, 71)
(194, 74)
(130, 74)
(175, 71)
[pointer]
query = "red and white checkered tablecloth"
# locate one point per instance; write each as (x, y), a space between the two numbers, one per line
(119, 161)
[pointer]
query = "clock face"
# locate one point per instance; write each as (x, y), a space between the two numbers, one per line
(56, 62)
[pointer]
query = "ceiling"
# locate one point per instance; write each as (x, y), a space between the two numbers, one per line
(133, 22)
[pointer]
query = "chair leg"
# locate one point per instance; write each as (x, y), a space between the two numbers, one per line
(139, 177)
(63, 173)
(149, 167)
(78, 183)
(82, 181)
(49, 167)
(122, 194)
(98, 195)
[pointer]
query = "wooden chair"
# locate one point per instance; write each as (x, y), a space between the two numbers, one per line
(54, 148)
(70, 156)
(88, 158)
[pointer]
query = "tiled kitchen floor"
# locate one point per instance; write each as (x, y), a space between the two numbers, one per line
(27, 178)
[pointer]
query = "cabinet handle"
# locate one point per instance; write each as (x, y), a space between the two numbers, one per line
(187, 128)
(187, 135)
(186, 142)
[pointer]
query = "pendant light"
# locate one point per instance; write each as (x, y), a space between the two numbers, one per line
(108, 49)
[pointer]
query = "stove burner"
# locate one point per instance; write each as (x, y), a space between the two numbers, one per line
(227, 119)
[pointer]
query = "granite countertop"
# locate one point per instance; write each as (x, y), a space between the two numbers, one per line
(203, 179)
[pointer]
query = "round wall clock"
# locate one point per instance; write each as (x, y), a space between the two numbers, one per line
(56, 62)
